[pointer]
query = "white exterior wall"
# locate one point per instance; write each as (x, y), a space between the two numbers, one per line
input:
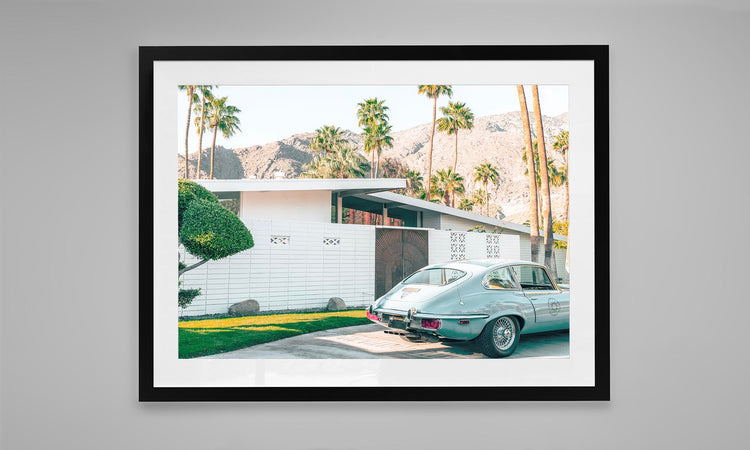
(560, 257)
(453, 223)
(291, 206)
(439, 247)
(453, 245)
(431, 219)
(293, 265)
(525, 247)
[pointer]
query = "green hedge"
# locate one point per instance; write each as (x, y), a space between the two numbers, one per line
(209, 231)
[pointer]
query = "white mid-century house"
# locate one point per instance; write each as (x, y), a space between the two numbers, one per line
(304, 254)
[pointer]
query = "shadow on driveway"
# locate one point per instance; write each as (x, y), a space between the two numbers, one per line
(370, 342)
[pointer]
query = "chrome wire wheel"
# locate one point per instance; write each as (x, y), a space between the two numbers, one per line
(504, 333)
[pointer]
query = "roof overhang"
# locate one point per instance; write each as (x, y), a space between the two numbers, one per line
(397, 201)
(344, 187)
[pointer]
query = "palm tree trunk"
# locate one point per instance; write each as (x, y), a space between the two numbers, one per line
(200, 133)
(377, 167)
(213, 145)
(486, 200)
(372, 164)
(567, 187)
(429, 153)
(455, 157)
(533, 198)
(187, 131)
(541, 208)
(549, 243)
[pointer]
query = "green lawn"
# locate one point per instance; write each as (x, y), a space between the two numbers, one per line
(211, 336)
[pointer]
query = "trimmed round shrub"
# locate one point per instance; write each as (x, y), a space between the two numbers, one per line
(187, 191)
(209, 231)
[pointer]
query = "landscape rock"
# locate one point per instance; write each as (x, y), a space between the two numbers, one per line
(336, 304)
(246, 308)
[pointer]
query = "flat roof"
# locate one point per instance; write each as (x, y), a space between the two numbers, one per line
(393, 200)
(345, 186)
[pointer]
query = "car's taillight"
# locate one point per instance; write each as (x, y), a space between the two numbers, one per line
(372, 316)
(432, 324)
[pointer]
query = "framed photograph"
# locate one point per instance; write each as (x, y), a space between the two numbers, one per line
(316, 224)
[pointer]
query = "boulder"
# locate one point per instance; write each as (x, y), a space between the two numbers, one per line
(246, 308)
(336, 304)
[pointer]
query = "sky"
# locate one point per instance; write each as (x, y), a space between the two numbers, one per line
(272, 113)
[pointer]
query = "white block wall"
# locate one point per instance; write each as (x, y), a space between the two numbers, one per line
(474, 246)
(438, 245)
(293, 265)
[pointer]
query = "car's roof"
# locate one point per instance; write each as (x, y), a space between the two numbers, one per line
(478, 265)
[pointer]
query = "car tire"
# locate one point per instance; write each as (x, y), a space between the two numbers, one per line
(500, 337)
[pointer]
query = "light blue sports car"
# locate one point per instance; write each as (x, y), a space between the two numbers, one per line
(492, 301)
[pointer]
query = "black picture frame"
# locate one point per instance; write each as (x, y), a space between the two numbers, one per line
(599, 54)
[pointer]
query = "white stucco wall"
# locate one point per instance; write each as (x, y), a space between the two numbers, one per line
(291, 206)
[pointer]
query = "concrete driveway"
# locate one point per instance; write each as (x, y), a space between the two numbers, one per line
(369, 341)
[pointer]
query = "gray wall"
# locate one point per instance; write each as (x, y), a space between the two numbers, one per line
(69, 326)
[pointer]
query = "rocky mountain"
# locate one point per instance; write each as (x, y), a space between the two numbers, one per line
(497, 139)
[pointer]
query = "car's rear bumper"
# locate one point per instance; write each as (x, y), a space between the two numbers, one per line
(459, 327)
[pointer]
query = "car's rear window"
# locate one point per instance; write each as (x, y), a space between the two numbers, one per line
(435, 277)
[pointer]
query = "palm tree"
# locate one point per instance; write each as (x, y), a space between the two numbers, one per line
(377, 137)
(326, 139)
(200, 120)
(433, 91)
(192, 97)
(344, 161)
(372, 114)
(561, 144)
(531, 170)
(456, 116)
(451, 183)
(317, 168)
(436, 191)
(221, 116)
(413, 181)
(479, 198)
(484, 173)
(556, 176)
(347, 162)
(466, 204)
(549, 243)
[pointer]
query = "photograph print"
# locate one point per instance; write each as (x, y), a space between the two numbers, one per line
(355, 233)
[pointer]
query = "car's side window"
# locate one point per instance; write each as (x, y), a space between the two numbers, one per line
(499, 279)
(452, 275)
(533, 278)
